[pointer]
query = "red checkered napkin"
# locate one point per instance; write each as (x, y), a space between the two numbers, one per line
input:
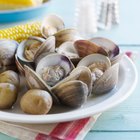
(73, 130)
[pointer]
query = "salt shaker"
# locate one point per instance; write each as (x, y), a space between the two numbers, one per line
(85, 17)
(108, 14)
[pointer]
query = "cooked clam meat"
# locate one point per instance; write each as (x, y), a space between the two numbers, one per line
(100, 65)
(53, 74)
(97, 69)
(96, 74)
(31, 49)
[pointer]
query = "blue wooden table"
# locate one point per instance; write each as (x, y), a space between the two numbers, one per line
(121, 122)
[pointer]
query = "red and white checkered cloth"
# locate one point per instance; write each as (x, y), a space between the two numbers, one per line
(73, 130)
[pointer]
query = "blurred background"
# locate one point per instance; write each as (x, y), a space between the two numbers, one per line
(85, 15)
(126, 32)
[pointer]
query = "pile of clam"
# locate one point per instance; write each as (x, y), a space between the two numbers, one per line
(62, 68)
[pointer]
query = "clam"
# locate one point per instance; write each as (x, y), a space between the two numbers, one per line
(8, 95)
(39, 57)
(7, 52)
(71, 93)
(10, 77)
(47, 46)
(94, 61)
(74, 89)
(107, 81)
(28, 48)
(67, 48)
(81, 73)
(86, 47)
(19, 65)
(36, 101)
(51, 25)
(107, 44)
(53, 68)
(112, 49)
(34, 81)
(104, 76)
(116, 58)
(66, 35)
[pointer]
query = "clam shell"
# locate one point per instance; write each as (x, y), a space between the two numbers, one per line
(36, 102)
(81, 73)
(11, 77)
(19, 66)
(85, 47)
(72, 93)
(67, 48)
(7, 52)
(107, 44)
(47, 46)
(23, 44)
(107, 81)
(116, 59)
(34, 81)
(55, 60)
(8, 95)
(66, 35)
(42, 55)
(51, 25)
(103, 62)
(36, 38)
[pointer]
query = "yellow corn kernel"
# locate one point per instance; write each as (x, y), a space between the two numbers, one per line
(21, 32)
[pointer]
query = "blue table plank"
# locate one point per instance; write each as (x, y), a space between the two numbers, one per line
(113, 136)
(5, 137)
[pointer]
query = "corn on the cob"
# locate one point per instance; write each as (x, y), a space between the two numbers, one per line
(13, 4)
(21, 32)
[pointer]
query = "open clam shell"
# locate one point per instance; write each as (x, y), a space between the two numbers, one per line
(67, 48)
(42, 55)
(80, 73)
(20, 65)
(101, 62)
(7, 52)
(85, 47)
(83, 74)
(116, 59)
(51, 25)
(53, 68)
(72, 93)
(47, 46)
(28, 48)
(107, 44)
(107, 81)
(66, 35)
(34, 81)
